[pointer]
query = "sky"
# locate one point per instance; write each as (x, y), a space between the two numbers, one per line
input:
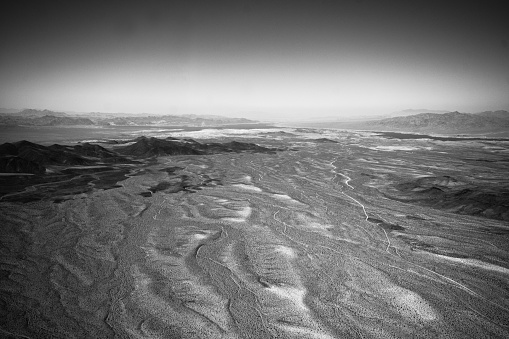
(264, 59)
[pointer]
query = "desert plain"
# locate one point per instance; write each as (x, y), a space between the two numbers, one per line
(330, 234)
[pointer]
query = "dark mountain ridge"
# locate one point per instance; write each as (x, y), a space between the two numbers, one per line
(62, 172)
(149, 147)
(15, 164)
(27, 157)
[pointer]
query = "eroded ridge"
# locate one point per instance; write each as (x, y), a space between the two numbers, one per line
(296, 244)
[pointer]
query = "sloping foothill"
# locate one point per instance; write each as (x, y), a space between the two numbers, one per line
(58, 171)
(178, 181)
(447, 193)
(33, 172)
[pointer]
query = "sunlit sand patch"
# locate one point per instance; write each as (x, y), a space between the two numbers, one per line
(368, 160)
(495, 149)
(227, 257)
(293, 294)
(287, 251)
(475, 263)
(410, 304)
(248, 187)
(287, 198)
(148, 131)
(282, 196)
(138, 208)
(219, 200)
(316, 225)
(397, 148)
(93, 141)
(305, 332)
(217, 133)
(238, 220)
(189, 239)
(243, 213)
(299, 171)
(418, 174)
(200, 236)
(311, 222)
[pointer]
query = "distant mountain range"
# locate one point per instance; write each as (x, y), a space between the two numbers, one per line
(488, 122)
(412, 111)
(46, 120)
(452, 122)
(410, 120)
(33, 117)
(35, 113)
(9, 110)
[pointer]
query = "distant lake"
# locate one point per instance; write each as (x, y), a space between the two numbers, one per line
(48, 135)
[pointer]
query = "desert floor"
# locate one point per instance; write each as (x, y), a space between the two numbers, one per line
(314, 241)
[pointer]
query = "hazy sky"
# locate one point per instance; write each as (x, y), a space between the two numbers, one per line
(308, 57)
